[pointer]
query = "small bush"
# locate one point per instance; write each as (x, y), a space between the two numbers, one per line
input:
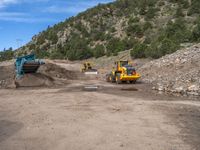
(115, 45)
(194, 9)
(151, 13)
(6, 54)
(133, 20)
(159, 49)
(147, 26)
(196, 32)
(134, 30)
(179, 13)
(139, 51)
(99, 51)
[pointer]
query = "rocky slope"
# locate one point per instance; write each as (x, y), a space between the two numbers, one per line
(177, 73)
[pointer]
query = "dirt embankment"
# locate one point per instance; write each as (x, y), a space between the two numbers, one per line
(7, 74)
(177, 73)
(48, 75)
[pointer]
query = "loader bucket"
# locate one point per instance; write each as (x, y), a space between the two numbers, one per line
(91, 72)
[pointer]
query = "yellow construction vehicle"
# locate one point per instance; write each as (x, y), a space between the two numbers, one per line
(87, 68)
(123, 72)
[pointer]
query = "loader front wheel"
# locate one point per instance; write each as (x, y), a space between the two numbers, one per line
(133, 82)
(117, 78)
(108, 78)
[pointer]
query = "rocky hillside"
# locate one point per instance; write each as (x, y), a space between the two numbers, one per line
(177, 73)
(152, 28)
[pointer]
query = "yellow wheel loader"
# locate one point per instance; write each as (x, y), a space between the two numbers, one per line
(123, 72)
(90, 74)
(88, 69)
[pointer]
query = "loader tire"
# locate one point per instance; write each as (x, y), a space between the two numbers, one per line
(108, 78)
(132, 82)
(117, 78)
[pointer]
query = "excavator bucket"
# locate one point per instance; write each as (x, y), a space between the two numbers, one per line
(27, 64)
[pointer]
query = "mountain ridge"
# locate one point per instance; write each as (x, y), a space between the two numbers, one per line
(151, 28)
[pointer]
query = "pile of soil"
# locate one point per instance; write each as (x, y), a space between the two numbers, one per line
(34, 80)
(48, 75)
(56, 71)
(7, 74)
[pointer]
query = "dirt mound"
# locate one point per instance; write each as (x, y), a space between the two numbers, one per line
(177, 73)
(7, 74)
(56, 71)
(34, 80)
(48, 75)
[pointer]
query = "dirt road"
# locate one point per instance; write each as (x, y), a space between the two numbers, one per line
(128, 117)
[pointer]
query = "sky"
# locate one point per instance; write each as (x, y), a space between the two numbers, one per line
(20, 20)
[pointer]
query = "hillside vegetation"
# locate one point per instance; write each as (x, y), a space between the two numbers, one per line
(151, 28)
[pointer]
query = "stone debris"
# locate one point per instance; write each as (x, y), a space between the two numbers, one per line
(177, 73)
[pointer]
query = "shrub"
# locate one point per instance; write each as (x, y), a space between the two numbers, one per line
(129, 43)
(139, 51)
(133, 20)
(158, 49)
(56, 55)
(151, 13)
(99, 51)
(115, 45)
(161, 3)
(194, 9)
(179, 13)
(177, 31)
(134, 30)
(147, 26)
(6, 54)
(196, 32)
(41, 53)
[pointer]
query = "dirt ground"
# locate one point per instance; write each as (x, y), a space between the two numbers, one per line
(115, 117)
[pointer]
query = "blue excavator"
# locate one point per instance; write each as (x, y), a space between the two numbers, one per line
(26, 65)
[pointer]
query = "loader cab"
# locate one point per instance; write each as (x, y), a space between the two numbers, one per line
(120, 64)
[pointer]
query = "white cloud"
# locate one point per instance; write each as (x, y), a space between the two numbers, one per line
(60, 6)
(23, 17)
(18, 16)
(73, 7)
(3, 3)
(59, 9)
(12, 14)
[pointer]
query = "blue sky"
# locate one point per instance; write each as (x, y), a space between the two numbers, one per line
(21, 19)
